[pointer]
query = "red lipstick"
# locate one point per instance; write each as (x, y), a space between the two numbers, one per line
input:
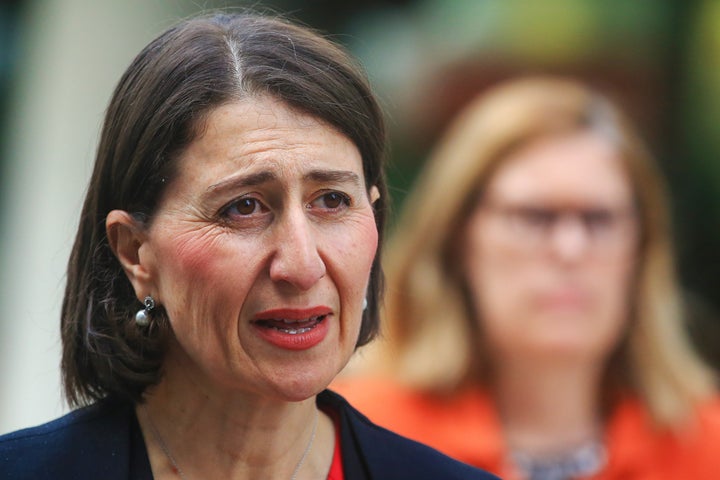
(293, 328)
(293, 313)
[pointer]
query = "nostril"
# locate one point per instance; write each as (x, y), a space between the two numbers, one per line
(302, 269)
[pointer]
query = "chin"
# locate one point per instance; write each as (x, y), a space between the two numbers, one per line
(299, 388)
(297, 395)
(565, 349)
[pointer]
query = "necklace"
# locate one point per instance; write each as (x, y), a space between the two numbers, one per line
(584, 460)
(178, 470)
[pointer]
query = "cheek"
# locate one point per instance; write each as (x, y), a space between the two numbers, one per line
(355, 250)
(192, 268)
(497, 278)
(349, 264)
(615, 291)
(195, 250)
(367, 244)
(199, 266)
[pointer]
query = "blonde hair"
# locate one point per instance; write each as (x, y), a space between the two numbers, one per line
(431, 338)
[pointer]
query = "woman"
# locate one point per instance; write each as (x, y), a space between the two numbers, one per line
(534, 316)
(225, 269)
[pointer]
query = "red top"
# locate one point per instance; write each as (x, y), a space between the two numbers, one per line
(336, 468)
(466, 426)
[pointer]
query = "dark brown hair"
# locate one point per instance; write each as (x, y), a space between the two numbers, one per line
(158, 108)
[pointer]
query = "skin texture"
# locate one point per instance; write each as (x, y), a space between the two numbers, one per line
(269, 211)
(563, 294)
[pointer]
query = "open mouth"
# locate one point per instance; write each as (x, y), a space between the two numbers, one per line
(291, 326)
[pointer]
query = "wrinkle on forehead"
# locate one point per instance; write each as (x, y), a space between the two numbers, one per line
(258, 141)
(259, 130)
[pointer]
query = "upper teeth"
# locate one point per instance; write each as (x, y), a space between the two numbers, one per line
(293, 331)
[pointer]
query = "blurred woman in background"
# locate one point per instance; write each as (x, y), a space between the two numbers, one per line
(534, 317)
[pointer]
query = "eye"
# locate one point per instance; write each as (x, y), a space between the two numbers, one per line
(244, 207)
(599, 219)
(535, 217)
(331, 201)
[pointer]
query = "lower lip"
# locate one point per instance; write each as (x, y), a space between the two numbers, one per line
(296, 341)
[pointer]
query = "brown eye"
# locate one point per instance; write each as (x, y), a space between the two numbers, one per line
(244, 207)
(598, 220)
(332, 201)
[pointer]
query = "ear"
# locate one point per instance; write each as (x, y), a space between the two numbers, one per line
(126, 236)
(374, 194)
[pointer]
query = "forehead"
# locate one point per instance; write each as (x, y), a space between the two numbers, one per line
(578, 167)
(264, 133)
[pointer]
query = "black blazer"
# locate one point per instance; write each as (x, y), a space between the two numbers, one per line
(104, 441)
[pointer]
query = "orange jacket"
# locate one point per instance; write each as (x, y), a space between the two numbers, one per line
(467, 427)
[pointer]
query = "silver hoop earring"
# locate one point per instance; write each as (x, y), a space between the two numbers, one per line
(364, 304)
(142, 317)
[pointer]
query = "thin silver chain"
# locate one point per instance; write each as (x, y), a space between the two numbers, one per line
(307, 448)
(166, 450)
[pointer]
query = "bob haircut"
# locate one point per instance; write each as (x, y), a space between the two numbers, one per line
(432, 328)
(158, 108)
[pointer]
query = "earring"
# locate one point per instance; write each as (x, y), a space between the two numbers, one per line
(142, 317)
(364, 303)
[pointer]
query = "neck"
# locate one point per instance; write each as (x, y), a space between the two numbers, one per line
(548, 406)
(230, 434)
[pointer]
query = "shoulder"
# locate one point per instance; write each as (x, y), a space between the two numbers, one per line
(688, 450)
(389, 455)
(709, 411)
(83, 443)
(707, 428)
(632, 416)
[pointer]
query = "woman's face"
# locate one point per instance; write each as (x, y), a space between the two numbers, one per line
(261, 251)
(550, 250)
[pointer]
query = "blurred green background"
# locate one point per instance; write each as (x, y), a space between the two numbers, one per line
(59, 60)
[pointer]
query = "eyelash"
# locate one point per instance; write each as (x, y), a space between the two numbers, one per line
(344, 199)
(226, 212)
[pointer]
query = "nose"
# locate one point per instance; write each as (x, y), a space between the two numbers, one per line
(296, 259)
(570, 238)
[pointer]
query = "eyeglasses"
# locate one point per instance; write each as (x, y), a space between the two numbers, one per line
(605, 229)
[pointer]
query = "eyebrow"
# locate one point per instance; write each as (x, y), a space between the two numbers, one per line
(333, 176)
(249, 180)
(266, 176)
